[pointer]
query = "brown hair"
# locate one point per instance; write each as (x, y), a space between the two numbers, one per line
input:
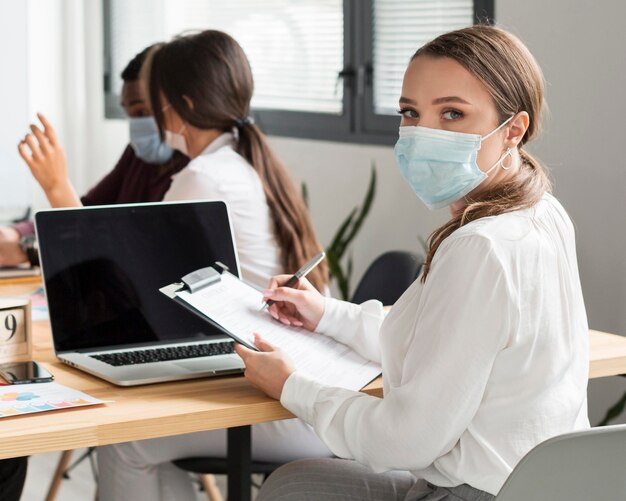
(515, 82)
(211, 69)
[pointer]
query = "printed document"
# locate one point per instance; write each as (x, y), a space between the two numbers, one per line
(236, 306)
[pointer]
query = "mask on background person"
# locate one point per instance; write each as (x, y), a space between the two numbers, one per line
(145, 141)
(440, 165)
(177, 141)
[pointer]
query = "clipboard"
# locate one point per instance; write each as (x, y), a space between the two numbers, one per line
(234, 307)
(196, 281)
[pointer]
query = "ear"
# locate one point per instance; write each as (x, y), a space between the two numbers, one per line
(516, 129)
(188, 101)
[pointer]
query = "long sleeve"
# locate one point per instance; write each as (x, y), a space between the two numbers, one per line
(355, 325)
(108, 188)
(464, 316)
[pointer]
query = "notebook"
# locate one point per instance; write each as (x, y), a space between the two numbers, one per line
(102, 267)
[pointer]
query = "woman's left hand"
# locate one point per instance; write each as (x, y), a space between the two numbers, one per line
(268, 369)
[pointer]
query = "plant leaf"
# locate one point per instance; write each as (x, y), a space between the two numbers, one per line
(305, 194)
(365, 208)
(336, 244)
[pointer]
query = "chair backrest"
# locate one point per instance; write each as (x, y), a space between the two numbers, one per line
(388, 277)
(578, 466)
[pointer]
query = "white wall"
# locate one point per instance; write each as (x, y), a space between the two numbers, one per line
(15, 187)
(581, 49)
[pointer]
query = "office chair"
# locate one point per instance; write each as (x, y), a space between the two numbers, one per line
(385, 279)
(576, 466)
(388, 277)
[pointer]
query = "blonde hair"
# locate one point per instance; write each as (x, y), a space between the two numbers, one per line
(515, 82)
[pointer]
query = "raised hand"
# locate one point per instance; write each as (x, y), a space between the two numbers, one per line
(45, 158)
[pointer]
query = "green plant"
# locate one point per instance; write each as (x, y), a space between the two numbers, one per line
(344, 236)
(336, 251)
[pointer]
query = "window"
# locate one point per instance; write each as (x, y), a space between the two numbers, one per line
(323, 69)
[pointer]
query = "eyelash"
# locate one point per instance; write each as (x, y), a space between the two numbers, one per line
(460, 113)
(403, 112)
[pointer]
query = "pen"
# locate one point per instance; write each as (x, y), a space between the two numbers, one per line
(301, 273)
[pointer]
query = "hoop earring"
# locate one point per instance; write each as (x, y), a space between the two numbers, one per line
(510, 155)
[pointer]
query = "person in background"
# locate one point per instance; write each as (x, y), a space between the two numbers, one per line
(12, 477)
(486, 354)
(200, 91)
(142, 174)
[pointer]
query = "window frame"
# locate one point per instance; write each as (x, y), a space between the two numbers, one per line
(358, 123)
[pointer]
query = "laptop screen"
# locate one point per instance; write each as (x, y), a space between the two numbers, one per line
(103, 267)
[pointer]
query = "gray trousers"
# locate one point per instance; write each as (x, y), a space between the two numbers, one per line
(339, 479)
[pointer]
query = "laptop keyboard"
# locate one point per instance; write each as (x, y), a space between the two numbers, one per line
(166, 354)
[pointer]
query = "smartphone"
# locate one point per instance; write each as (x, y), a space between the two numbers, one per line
(24, 373)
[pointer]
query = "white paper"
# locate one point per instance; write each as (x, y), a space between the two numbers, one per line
(236, 306)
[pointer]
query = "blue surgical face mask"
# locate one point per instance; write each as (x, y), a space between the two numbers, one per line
(145, 140)
(440, 165)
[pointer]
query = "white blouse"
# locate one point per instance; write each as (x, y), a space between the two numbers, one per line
(220, 173)
(481, 363)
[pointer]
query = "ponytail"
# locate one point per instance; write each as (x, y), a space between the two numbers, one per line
(292, 224)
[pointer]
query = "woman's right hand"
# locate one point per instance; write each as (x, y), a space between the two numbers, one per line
(45, 158)
(301, 306)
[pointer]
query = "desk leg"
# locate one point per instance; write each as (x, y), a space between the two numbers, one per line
(239, 467)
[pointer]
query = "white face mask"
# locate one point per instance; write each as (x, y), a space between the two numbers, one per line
(440, 165)
(177, 141)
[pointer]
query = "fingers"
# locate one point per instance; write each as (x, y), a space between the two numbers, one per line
(48, 129)
(44, 143)
(262, 344)
(24, 153)
(278, 280)
(34, 147)
(287, 294)
(284, 316)
(243, 352)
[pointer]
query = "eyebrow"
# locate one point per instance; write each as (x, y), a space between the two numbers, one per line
(450, 99)
(439, 100)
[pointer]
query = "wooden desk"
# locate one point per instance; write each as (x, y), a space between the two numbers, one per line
(141, 412)
(164, 409)
(181, 407)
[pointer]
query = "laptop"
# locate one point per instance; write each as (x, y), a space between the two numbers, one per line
(103, 267)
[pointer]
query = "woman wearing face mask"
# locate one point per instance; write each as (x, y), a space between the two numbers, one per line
(486, 354)
(200, 91)
(142, 174)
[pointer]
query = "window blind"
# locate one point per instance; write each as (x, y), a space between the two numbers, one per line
(295, 47)
(400, 28)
